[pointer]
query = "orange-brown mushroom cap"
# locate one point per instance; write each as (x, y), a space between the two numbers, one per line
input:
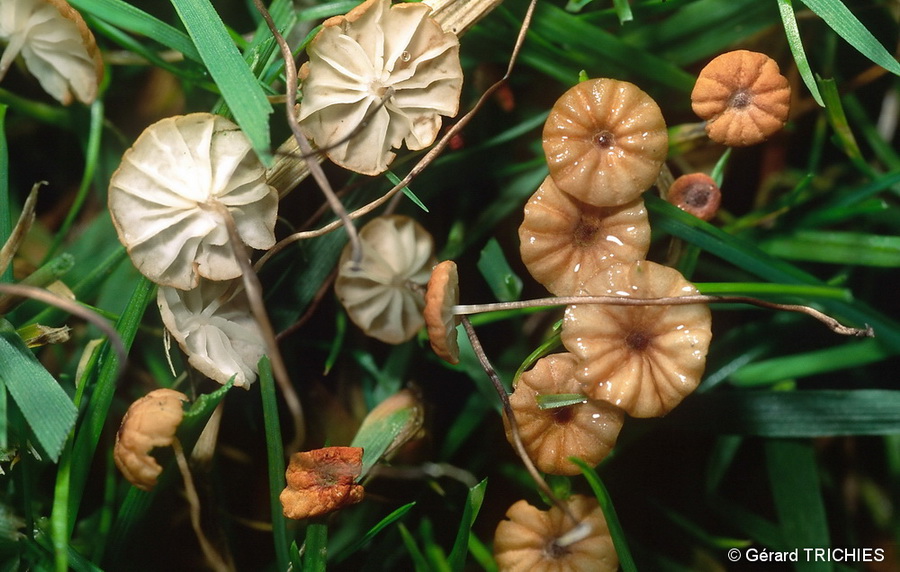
(696, 193)
(605, 141)
(150, 422)
(322, 481)
(587, 430)
(528, 540)
(564, 241)
(743, 98)
(644, 359)
(441, 295)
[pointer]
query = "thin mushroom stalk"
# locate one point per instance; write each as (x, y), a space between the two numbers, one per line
(831, 323)
(582, 529)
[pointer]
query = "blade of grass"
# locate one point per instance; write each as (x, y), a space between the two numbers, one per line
(612, 519)
(457, 558)
(393, 517)
(834, 110)
(837, 247)
(239, 87)
(418, 559)
(495, 269)
(796, 44)
(315, 548)
(794, 478)
(275, 462)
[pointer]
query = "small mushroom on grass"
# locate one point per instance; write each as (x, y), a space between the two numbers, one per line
(322, 481)
(532, 540)
(696, 193)
(56, 44)
(605, 141)
(586, 429)
(743, 97)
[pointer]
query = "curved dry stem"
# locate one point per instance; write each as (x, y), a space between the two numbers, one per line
(423, 163)
(582, 529)
(315, 169)
(833, 324)
(213, 558)
(253, 288)
(75, 309)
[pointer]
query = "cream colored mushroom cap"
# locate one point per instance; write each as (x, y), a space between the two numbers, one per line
(524, 542)
(564, 241)
(384, 293)
(150, 422)
(643, 359)
(57, 46)
(378, 51)
(605, 142)
(441, 294)
(167, 196)
(587, 430)
(213, 325)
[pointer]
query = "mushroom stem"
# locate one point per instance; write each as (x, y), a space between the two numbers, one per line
(831, 323)
(583, 531)
(315, 169)
(253, 289)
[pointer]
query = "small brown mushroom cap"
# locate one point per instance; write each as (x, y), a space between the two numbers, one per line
(605, 142)
(383, 294)
(441, 295)
(696, 193)
(57, 46)
(527, 540)
(586, 430)
(150, 422)
(644, 359)
(322, 481)
(564, 241)
(743, 97)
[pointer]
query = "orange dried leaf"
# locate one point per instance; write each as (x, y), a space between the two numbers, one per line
(322, 481)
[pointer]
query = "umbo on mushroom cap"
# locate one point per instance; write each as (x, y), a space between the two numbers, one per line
(167, 198)
(643, 359)
(586, 430)
(743, 97)
(213, 325)
(322, 481)
(441, 294)
(605, 142)
(696, 193)
(150, 422)
(384, 293)
(564, 241)
(57, 46)
(527, 540)
(378, 51)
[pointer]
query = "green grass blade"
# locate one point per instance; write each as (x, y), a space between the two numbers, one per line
(623, 11)
(794, 478)
(612, 519)
(841, 20)
(125, 16)
(834, 110)
(457, 558)
(837, 248)
(275, 459)
(393, 517)
(796, 45)
(315, 548)
(495, 269)
(415, 553)
(47, 408)
(239, 87)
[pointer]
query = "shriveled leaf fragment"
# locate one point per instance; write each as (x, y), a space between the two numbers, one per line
(322, 481)
(213, 325)
(384, 293)
(150, 422)
(379, 77)
(56, 45)
(169, 196)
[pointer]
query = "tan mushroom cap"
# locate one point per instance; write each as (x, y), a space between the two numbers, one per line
(696, 193)
(526, 541)
(322, 481)
(150, 422)
(213, 325)
(441, 295)
(384, 294)
(395, 54)
(605, 142)
(743, 97)
(57, 46)
(644, 359)
(564, 241)
(586, 430)
(167, 196)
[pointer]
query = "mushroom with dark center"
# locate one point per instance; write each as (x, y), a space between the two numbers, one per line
(696, 193)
